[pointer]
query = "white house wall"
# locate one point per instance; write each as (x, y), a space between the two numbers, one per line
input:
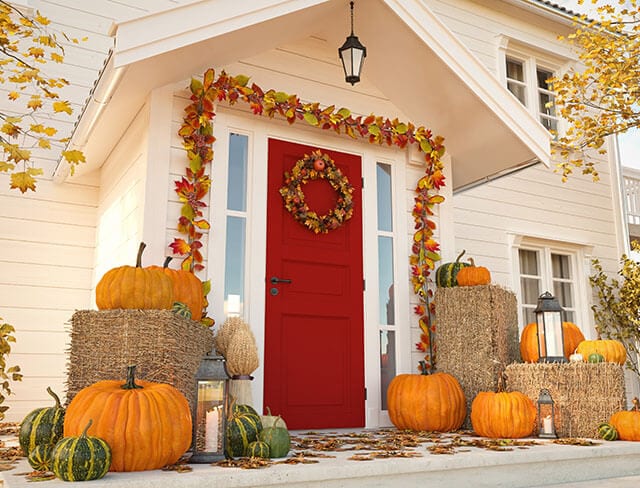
(46, 262)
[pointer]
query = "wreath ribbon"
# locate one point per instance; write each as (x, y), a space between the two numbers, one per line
(313, 167)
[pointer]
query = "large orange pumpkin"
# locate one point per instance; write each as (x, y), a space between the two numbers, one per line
(187, 288)
(612, 350)
(134, 287)
(146, 424)
(503, 415)
(627, 423)
(529, 341)
(426, 402)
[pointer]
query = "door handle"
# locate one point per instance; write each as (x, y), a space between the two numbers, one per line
(275, 280)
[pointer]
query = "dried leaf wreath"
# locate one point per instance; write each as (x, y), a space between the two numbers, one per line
(313, 167)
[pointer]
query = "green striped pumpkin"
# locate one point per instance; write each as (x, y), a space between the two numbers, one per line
(81, 458)
(242, 429)
(242, 408)
(40, 457)
(447, 273)
(42, 426)
(182, 310)
(257, 449)
(607, 431)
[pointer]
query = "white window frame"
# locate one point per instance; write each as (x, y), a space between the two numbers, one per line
(579, 259)
(532, 58)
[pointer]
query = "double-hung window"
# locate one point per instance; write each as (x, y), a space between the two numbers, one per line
(528, 81)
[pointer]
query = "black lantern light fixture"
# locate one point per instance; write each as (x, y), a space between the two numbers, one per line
(550, 330)
(352, 54)
(546, 415)
(210, 410)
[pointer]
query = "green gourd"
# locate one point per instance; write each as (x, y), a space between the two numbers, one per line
(595, 358)
(81, 458)
(257, 449)
(278, 440)
(40, 457)
(447, 273)
(242, 429)
(607, 431)
(42, 426)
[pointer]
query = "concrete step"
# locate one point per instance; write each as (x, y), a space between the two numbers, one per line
(545, 464)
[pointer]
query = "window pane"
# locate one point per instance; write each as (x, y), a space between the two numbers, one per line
(515, 69)
(543, 76)
(529, 316)
(387, 363)
(518, 90)
(237, 184)
(546, 98)
(564, 293)
(561, 265)
(234, 265)
(530, 290)
(549, 123)
(385, 274)
(383, 179)
(528, 262)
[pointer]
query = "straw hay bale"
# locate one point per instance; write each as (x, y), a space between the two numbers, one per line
(477, 336)
(165, 348)
(584, 394)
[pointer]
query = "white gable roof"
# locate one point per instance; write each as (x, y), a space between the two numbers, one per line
(413, 58)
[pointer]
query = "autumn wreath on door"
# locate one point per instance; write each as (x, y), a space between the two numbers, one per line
(313, 167)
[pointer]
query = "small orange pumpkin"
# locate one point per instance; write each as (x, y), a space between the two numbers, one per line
(502, 414)
(187, 288)
(473, 275)
(134, 287)
(627, 423)
(612, 350)
(146, 424)
(529, 341)
(429, 402)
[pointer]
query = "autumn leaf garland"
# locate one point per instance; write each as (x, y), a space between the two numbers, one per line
(197, 134)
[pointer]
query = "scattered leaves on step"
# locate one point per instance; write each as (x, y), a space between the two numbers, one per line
(311, 454)
(361, 457)
(40, 476)
(297, 459)
(179, 467)
(575, 441)
(9, 456)
(245, 463)
(9, 428)
(455, 443)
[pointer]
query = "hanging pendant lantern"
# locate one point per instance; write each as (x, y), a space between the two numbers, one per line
(352, 54)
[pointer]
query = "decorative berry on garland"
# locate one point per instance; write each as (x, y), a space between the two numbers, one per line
(313, 167)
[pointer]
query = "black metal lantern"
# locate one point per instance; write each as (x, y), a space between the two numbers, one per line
(550, 330)
(546, 415)
(352, 54)
(210, 410)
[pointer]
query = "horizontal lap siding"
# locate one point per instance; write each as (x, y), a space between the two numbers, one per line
(46, 266)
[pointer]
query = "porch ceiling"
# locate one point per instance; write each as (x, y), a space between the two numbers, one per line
(413, 59)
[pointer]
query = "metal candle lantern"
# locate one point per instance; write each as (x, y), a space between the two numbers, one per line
(550, 330)
(210, 410)
(546, 415)
(352, 54)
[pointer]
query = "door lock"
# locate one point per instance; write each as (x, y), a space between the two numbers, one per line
(275, 280)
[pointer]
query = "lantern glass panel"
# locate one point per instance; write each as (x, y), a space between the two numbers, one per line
(546, 415)
(209, 415)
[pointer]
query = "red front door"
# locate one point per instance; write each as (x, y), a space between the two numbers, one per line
(314, 331)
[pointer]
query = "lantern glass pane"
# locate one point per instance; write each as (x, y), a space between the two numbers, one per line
(209, 415)
(553, 331)
(357, 60)
(347, 62)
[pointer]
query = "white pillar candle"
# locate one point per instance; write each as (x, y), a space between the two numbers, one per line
(547, 428)
(211, 430)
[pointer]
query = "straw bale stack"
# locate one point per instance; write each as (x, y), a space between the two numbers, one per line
(477, 336)
(165, 347)
(584, 394)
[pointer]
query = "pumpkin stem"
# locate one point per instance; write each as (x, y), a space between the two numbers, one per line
(461, 254)
(472, 262)
(167, 260)
(84, 432)
(423, 367)
(131, 380)
(55, 397)
(502, 380)
(636, 405)
(269, 412)
(139, 257)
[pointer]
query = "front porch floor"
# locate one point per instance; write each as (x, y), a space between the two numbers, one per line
(542, 464)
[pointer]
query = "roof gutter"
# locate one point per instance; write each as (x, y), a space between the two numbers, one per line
(99, 98)
(498, 175)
